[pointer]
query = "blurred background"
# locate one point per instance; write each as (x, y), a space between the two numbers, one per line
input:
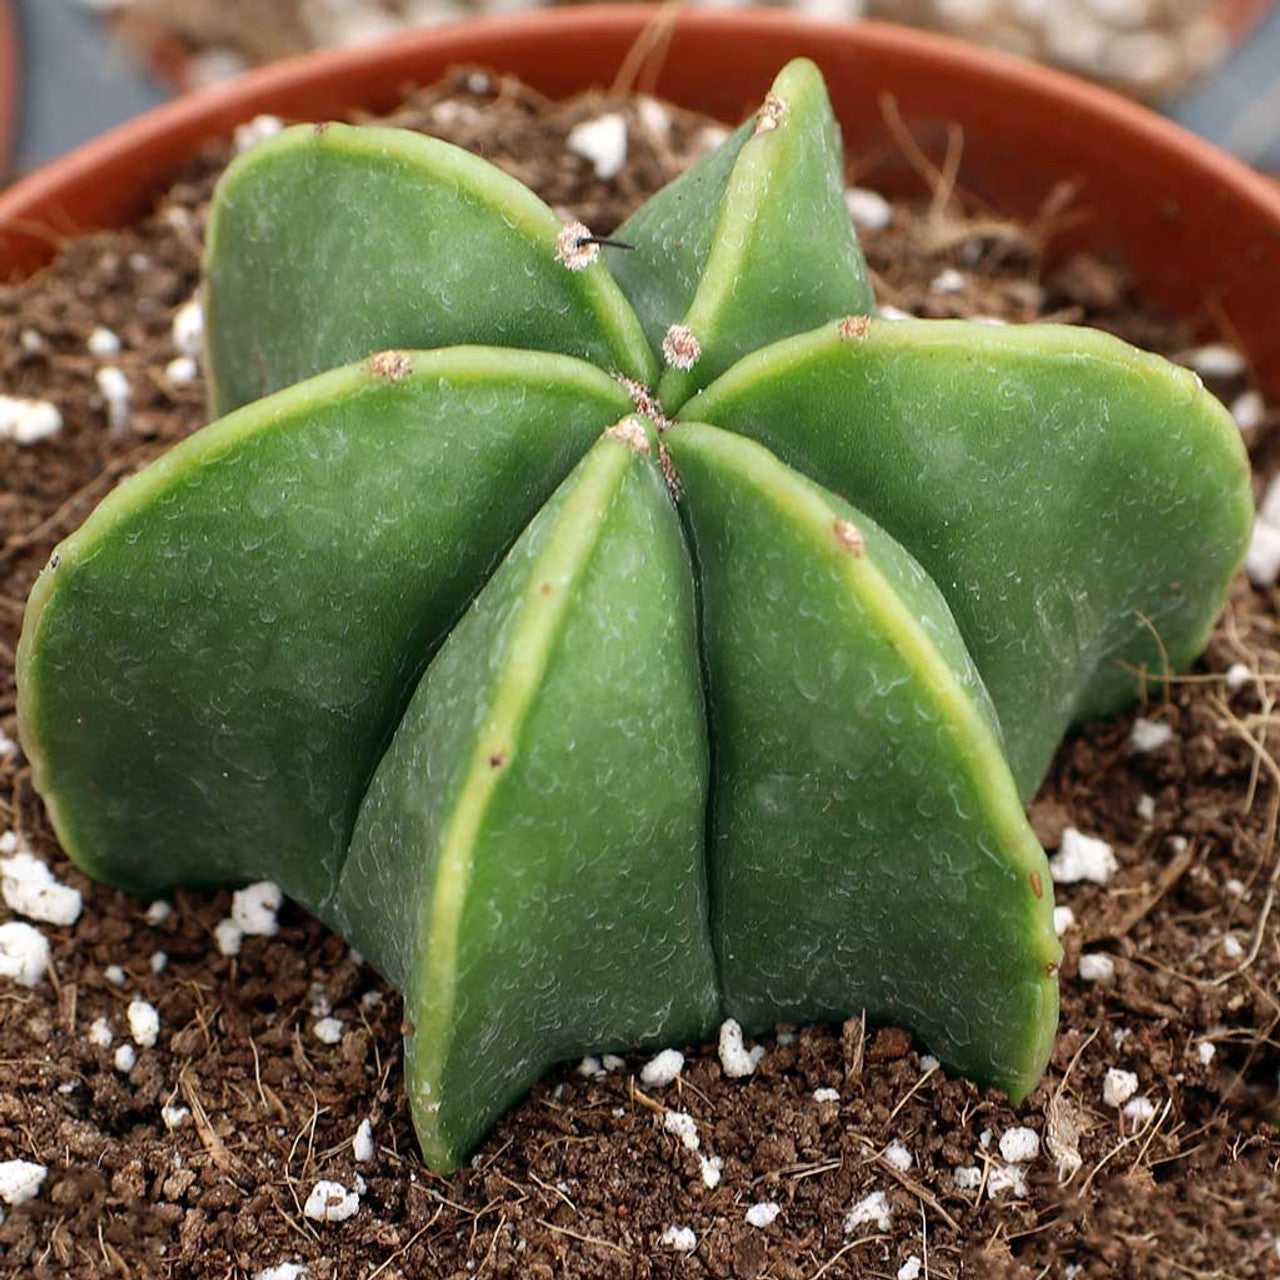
(88, 64)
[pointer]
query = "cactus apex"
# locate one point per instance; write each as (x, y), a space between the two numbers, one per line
(628, 431)
(681, 348)
(646, 403)
(390, 366)
(769, 117)
(575, 247)
(854, 328)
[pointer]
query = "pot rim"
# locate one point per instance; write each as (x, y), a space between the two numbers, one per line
(10, 84)
(109, 180)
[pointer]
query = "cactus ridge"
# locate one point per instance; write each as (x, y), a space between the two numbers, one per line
(595, 703)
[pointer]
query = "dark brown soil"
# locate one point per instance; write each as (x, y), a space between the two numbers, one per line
(581, 1180)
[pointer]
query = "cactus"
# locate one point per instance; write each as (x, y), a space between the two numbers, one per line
(568, 689)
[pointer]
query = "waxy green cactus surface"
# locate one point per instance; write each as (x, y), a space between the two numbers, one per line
(611, 643)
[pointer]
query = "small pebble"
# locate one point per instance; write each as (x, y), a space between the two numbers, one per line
(174, 1117)
(1095, 966)
(1082, 857)
(1249, 410)
(868, 209)
(103, 342)
(228, 936)
(1148, 735)
(328, 1030)
(254, 908)
(1019, 1145)
(28, 421)
(144, 1023)
(736, 1060)
(663, 1069)
(331, 1202)
(681, 1239)
(32, 890)
(21, 1180)
(602, 141)
(872, 1210)
(24, 953)
(362, 1144)
(1118, 1087)
(763, 1214)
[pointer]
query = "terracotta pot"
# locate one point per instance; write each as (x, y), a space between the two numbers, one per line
(10, 84)
(1200, 231)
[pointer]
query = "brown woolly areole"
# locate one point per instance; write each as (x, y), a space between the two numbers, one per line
(849, 535)
(680, 347)
(629, 432)
(770, 114)
(645, 401)
(391, 366)
(854, 328)
(574, 247)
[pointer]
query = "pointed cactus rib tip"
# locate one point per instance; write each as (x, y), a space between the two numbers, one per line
(575, 247)
(513, 406)
(680, 347)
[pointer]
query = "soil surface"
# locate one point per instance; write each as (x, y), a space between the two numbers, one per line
(893, 1171)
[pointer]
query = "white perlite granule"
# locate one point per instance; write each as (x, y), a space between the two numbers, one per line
(254, 908)
(826, 1095)
(331, 1202)
(32, 890)
(1146, 808)
(254, 131)
(897, 1155)
(144, 1023)
(24, 953)
(1238, 675)
(873, 1210)
(602, 141)
(1063, 919)
(590, 1068)
(1214, 360)
(948, 281)
(1082, 857)
(1006, 1179)
(1095, 966)
(100, 1034)
(763, 1214)
(103, 342)
(282, 1271)
(328, 1030)
(1138, 1111)
(967, 1177)
(28, 421)
(868, 210)
(1232, 946)
(181, 370)
(126, 1058)
(362, 1144)
(21, 1180)
(113, 387)
(712, 1168)
(910, 1269)
(1019, 1145)
(228, 935)
(683, 1125)
(159, 961)
(681, 1239)
(188, 328)
(174, 1117)
(1118, 1086)
(1148, 735)
(1249, 410)
(1205, 1051)
(663, 1069)
(158, 912)
(1262, 560)
(736, 1060)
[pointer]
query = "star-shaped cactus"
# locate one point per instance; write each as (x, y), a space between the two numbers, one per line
(631, 638)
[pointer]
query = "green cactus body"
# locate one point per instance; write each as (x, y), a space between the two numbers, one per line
(531, 845)
(819, 631)
(221, 675)
(1082, 505)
